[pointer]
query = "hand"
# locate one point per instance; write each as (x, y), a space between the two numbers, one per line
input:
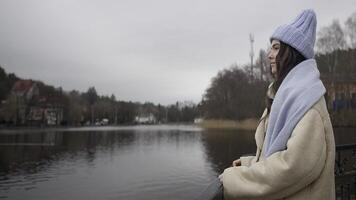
(236, 163)
(221, 178)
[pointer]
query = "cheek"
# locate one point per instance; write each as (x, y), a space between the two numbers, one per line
(274, 53)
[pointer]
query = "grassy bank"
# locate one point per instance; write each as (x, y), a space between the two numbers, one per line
(247, 124)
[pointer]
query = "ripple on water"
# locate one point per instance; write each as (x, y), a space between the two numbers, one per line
(147, 162)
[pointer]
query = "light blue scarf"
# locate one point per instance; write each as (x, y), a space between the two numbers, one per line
(299, 91)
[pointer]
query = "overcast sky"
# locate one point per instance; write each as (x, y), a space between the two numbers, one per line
(160, 51)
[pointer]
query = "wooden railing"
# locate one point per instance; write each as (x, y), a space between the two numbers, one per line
(345, 171)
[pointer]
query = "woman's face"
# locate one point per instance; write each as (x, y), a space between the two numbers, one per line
(272, 54)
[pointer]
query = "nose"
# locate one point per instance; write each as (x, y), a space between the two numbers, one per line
(269, 54)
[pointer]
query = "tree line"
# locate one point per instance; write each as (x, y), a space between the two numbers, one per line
(80, 108)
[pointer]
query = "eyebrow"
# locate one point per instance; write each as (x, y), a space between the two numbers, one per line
(275, 44)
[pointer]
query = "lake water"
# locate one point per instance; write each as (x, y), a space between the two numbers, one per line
(134, 163)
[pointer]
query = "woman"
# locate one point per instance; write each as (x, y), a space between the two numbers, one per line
(295, 142)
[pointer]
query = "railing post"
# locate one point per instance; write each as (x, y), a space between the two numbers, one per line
(342, 192)
(355, 187)
(345, 171)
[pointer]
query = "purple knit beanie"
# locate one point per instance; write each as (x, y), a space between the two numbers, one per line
(299, 34)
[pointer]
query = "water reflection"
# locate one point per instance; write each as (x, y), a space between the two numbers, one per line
(137, 163)
(224, 146)
(144, 162)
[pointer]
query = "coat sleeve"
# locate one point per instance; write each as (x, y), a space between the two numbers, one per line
(284, 172)
(247, 160)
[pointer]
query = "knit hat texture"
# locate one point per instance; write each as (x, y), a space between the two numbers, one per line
(300, 34)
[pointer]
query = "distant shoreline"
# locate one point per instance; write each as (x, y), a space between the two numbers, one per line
(84, 128)
(224, 124)
(246, 124)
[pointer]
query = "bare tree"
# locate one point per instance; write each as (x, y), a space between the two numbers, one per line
(262, 66)
(350, 30)
(91, 97)
(331, 38)
(333, 42)
(234, 95)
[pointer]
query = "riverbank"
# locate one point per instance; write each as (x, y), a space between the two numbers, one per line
(338, 121)
(171, 126)
(29, 127)
(247, 124)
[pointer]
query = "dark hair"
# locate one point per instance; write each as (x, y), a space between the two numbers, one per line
(286, 59)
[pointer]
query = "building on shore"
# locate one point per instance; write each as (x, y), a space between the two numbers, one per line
(32, 108)
(148, 118)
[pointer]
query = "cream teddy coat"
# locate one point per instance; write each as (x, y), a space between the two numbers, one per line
(305, 170)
